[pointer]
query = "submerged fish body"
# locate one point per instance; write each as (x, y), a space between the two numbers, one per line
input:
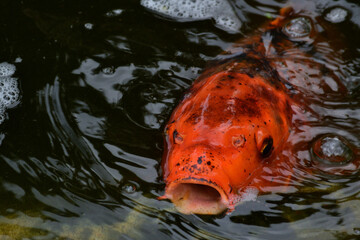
(225, 136)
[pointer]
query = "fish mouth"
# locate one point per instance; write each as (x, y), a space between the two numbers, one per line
(197, 196)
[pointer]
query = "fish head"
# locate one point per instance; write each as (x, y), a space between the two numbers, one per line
(219, 139)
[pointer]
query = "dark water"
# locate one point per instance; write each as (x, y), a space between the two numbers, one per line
(81, 153)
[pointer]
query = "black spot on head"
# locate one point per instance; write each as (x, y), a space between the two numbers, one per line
(208, 163)
(200, 160)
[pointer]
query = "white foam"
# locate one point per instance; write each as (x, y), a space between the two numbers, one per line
(9, 91)
(191, 10)
(2, 114)
(249, 194)
(6, 69)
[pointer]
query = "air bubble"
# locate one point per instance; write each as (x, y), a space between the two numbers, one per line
(193, 10)
(332, 150)
(129, 188)
(108, 70)
(298, 27)
(89, 26)
(114, 13)
(336, 15)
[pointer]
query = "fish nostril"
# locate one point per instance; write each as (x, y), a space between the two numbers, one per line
(178, 139)
(238, 141)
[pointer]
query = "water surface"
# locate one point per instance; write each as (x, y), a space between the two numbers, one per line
(80, 155)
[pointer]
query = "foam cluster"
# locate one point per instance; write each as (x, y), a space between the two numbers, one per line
(6, 69)
(9, 91)
(249, 194)
(336, 15)
(191, 10)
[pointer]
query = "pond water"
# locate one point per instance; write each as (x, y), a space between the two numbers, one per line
(80, 153)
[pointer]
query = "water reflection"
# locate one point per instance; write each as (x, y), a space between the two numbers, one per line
(80, 155)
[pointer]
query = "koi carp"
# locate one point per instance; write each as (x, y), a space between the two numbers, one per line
(226, 134)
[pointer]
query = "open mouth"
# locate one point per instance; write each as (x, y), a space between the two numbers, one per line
(197, 196)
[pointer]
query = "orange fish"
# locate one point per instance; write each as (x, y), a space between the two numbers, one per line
(224, 138)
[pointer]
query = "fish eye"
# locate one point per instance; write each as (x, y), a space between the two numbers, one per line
(177, 138)
(266, 147)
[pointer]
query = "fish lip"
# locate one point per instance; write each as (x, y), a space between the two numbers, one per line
(204, 181)
(214, 206)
